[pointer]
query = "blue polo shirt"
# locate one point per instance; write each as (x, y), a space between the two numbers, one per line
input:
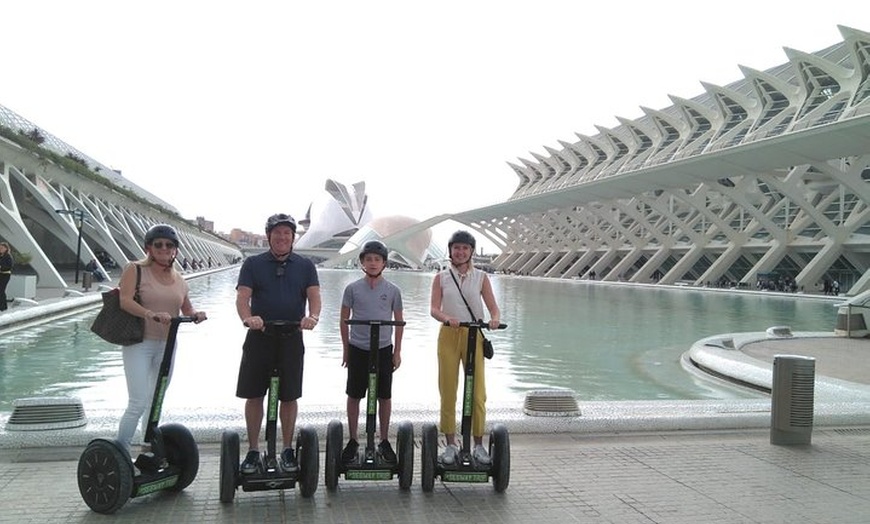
(279, 288)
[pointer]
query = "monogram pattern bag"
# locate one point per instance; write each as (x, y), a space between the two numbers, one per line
(116, 326)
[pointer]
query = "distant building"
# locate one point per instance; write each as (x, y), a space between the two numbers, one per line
(205, 225)
(414, 251)
(339, 222)
(247, 239)
(334, 216)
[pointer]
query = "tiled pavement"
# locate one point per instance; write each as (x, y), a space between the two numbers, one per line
(663, 477)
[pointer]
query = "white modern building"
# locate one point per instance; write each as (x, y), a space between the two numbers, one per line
(415, 250)
(62, 209)
(339, 222)
(334, 216)
(763, 178)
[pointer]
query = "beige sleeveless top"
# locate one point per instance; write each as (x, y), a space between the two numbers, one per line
(157, 297)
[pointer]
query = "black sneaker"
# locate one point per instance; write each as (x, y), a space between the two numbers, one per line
(147, 463)
(349, 455)
(252, 463)
(288, 459)
(387, 452)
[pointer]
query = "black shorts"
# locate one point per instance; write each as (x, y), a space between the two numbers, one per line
(358, 372)
(258, 359)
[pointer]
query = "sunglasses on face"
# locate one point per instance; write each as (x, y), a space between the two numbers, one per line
(161, 245)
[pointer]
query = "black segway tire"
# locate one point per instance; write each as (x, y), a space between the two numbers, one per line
(181, 451)
(500, 451)
(334, 438)
(229, 472)
(428, 457)
(405, 447)
(105, 476)
(308, 455)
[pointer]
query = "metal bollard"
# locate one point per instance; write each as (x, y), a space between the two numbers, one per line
(791, 411)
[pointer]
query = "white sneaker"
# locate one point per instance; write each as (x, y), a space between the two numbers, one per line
(481, 456)
(449, 456)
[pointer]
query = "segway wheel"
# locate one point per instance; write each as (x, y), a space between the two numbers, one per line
(334, 438)
(181, 451)
(500, 451)
(405, 447)
(428, 457)
(105, 476)
(308, 453)
(229, 465)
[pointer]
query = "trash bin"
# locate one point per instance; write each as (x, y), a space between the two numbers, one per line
(791, 410)
(87, 280)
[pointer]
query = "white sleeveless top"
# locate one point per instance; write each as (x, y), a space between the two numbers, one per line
(471, 285)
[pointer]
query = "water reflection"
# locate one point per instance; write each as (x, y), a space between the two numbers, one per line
(604, 342)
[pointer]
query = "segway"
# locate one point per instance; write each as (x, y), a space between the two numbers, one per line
(105, 473)
(272, 475)
(466, 469)
(369, 465)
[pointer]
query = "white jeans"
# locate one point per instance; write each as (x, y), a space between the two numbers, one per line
(141, 367)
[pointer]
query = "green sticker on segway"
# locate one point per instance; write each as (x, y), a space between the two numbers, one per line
(373, 474)
(467, 407)
(157, 485)
(158, 403)
(273, 397)
(372, 398)
(467, 476)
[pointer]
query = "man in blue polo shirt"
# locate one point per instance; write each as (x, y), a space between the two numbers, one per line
(275, 285)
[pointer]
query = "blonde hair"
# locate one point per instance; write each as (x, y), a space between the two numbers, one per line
(4, 244)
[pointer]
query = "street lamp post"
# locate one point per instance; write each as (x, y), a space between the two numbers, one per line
(79, 215)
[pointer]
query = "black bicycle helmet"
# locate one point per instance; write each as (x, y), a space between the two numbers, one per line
(161, 231)
(374, 246)
(278, 219)
(462, 237)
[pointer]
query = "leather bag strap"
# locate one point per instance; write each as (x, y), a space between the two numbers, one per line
(470, 312)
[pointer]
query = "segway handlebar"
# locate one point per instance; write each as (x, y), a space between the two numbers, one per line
(281, 327)
(183, 319)
(282, 323)
(478, 324)
(355, 322)
(278, 323)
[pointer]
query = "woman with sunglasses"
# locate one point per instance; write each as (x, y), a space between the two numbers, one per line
(163, 293)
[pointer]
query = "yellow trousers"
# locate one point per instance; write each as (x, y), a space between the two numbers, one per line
(452, 343)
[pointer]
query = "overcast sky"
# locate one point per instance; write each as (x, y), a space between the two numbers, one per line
(236, 110)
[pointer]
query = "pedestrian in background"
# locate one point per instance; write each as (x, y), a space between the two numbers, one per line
(6, 263)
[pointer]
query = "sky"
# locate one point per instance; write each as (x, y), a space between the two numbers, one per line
(237, 110)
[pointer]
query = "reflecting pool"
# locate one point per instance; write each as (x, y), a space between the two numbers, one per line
(605, 342)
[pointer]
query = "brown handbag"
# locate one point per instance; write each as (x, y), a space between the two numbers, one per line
(116, 326)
